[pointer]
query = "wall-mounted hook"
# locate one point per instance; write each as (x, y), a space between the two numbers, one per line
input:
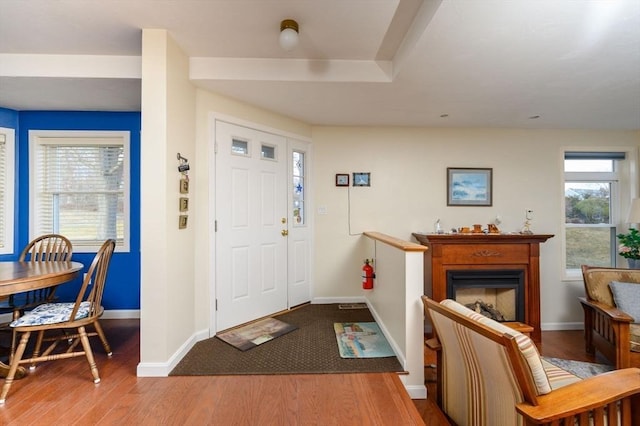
(184, 164)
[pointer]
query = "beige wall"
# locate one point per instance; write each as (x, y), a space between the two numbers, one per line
(408, 194)
(167, 253)
(176, 275)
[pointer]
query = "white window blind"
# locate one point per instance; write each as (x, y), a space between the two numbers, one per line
(7, 149)
(3, 189)
(80, 189)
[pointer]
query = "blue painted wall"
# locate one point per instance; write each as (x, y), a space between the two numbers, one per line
(8, 118)
(123, 282)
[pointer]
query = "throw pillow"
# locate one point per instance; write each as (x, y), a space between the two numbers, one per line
(627, 298)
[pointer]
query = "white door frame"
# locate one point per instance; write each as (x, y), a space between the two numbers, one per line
(213, 117)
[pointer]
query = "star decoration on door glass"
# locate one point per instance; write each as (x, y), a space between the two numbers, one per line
(299, 188)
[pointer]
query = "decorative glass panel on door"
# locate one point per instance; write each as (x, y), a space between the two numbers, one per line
(240, 147)
(298, 188)
(268, 152)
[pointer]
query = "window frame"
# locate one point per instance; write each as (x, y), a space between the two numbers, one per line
(81, 138)
(8, 209)
(622, 188)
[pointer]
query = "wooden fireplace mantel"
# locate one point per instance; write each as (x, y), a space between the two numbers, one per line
(454, 252)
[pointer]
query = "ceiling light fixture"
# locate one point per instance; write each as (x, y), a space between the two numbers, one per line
(288, 34)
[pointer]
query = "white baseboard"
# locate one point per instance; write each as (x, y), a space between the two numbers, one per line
(416, 391)
(394, 345)
(327, 300)
(121, 314)
(557, 326)
(162, 369)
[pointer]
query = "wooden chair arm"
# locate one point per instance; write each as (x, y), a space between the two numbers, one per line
(583, 396)
(613, 313)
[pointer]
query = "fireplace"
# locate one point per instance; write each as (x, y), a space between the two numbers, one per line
(487, 252)
(497, 294)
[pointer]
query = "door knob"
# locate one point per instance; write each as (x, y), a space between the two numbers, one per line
(284, 232)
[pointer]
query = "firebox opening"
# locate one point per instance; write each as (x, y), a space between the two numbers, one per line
(496, 294)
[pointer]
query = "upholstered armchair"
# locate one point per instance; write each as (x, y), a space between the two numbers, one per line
(489, 374)
(612, 295)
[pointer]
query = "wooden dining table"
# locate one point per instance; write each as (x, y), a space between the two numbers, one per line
(17, 277)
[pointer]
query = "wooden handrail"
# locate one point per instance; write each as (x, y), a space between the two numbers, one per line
(396, 242)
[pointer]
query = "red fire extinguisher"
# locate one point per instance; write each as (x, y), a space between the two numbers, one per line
(367, 275)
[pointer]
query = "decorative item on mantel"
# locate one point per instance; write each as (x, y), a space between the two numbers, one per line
(438, 228)
(526, 229)
(475, 229)
(493, 228)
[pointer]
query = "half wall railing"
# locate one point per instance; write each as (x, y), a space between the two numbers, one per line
(396, 305)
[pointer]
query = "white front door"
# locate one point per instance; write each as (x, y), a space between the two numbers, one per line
(252, 224)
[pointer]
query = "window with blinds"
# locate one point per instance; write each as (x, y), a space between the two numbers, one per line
(591, 209)
(80, 188)
(7, 149)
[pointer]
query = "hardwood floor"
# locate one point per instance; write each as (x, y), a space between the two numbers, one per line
(61, 392)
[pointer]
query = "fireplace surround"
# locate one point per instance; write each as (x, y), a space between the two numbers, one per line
(487, 253)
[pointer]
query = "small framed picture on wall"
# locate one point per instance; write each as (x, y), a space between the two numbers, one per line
(361, 179)
(184, 204)
(342, 179)
(184, 186)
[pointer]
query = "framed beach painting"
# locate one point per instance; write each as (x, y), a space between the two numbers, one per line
(469, 186)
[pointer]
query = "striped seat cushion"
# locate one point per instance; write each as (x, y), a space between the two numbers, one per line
(527, 348)
(557, 376)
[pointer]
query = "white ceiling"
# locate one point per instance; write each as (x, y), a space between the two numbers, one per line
(482, 63)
